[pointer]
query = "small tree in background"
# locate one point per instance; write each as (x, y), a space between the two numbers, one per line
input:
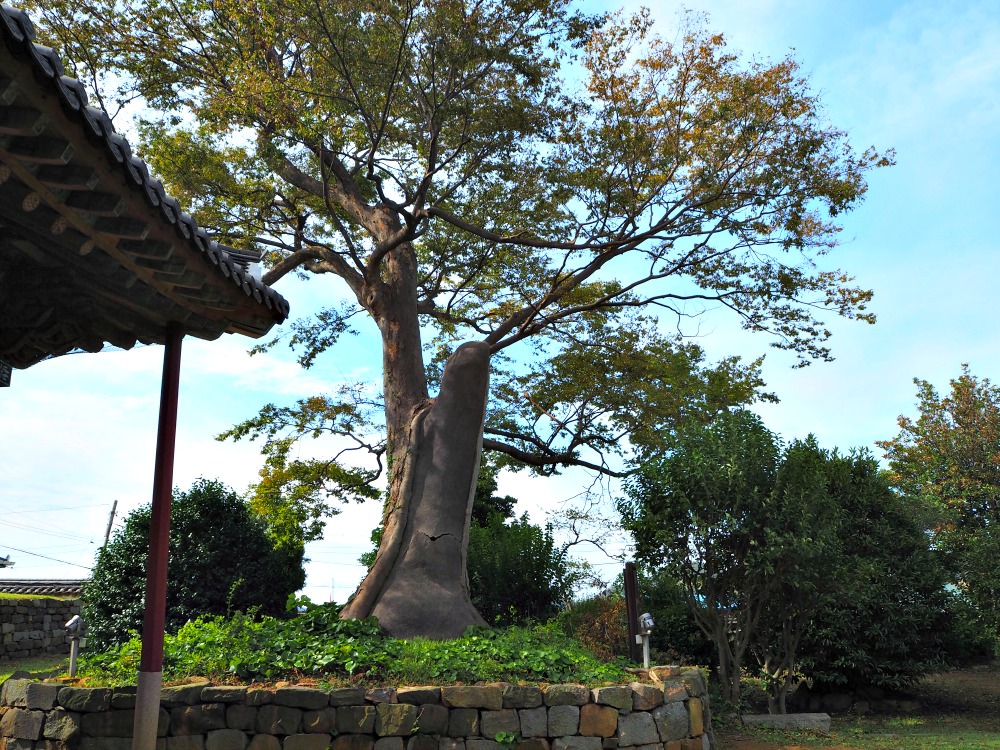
(946, 462)
(801, 549)
(801, 557)
(221, 559)
(516, 571)
(700, 512)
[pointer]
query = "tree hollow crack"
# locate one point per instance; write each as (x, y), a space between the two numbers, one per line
(434, 537)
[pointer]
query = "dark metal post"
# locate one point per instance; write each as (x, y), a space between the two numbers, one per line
(147, 709)
(632, 608)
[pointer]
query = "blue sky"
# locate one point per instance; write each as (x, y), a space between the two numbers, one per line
(77, 433)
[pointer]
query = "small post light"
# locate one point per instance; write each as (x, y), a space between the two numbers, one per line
(73, 627)
(645, 630)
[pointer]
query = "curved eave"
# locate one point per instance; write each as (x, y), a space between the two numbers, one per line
(92, 250)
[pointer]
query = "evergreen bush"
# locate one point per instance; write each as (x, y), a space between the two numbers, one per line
(221, 560)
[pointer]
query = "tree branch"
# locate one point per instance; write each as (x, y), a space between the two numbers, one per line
(548, 461)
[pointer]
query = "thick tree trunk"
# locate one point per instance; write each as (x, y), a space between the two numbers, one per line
(418, 585)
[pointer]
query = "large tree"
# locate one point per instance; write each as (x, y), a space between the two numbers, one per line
(559, 191)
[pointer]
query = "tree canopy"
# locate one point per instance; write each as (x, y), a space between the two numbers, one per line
(793, 555)
(333, 134)
(566, 190)
(947, 463)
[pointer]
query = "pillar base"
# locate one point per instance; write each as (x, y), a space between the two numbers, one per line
(147, 710)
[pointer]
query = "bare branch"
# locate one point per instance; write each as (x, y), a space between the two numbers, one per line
(547, 461)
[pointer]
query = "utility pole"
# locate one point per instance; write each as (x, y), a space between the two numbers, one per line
(111, 520)
(632, 610)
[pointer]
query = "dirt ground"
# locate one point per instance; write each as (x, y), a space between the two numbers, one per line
(956, 692)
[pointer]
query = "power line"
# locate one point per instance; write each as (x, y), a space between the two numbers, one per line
(44, 557)
(53, 532)
(48, 510)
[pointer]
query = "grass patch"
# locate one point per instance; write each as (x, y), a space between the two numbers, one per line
(916, 733)
(37, 666)
(870, 733)
(958, 711)
(37, 596)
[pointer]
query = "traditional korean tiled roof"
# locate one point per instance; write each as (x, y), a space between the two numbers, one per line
(92, 250)
(42, 588)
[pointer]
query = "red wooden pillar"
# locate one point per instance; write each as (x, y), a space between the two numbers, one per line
(147, 708)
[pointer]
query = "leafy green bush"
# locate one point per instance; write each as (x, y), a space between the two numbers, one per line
(540, 653)
(676, 639)
(516, 572)
(320, 644)
(221, 560)
(887, 623)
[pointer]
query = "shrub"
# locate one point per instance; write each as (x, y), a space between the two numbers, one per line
(221, 560)
(320, 644)
(600, 623)
(888, 623)
(516, 573)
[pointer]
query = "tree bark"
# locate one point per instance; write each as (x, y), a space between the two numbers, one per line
(418, 585)
(730, 665)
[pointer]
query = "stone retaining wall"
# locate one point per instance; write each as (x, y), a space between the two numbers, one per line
(33, 627)
(668, 715)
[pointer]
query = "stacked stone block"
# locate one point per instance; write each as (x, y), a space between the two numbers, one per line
(34, 627)
(672, 715)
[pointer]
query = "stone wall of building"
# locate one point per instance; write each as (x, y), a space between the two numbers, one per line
(34, 627)
(671, 714)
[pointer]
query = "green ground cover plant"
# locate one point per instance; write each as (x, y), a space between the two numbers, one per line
(319, 645)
